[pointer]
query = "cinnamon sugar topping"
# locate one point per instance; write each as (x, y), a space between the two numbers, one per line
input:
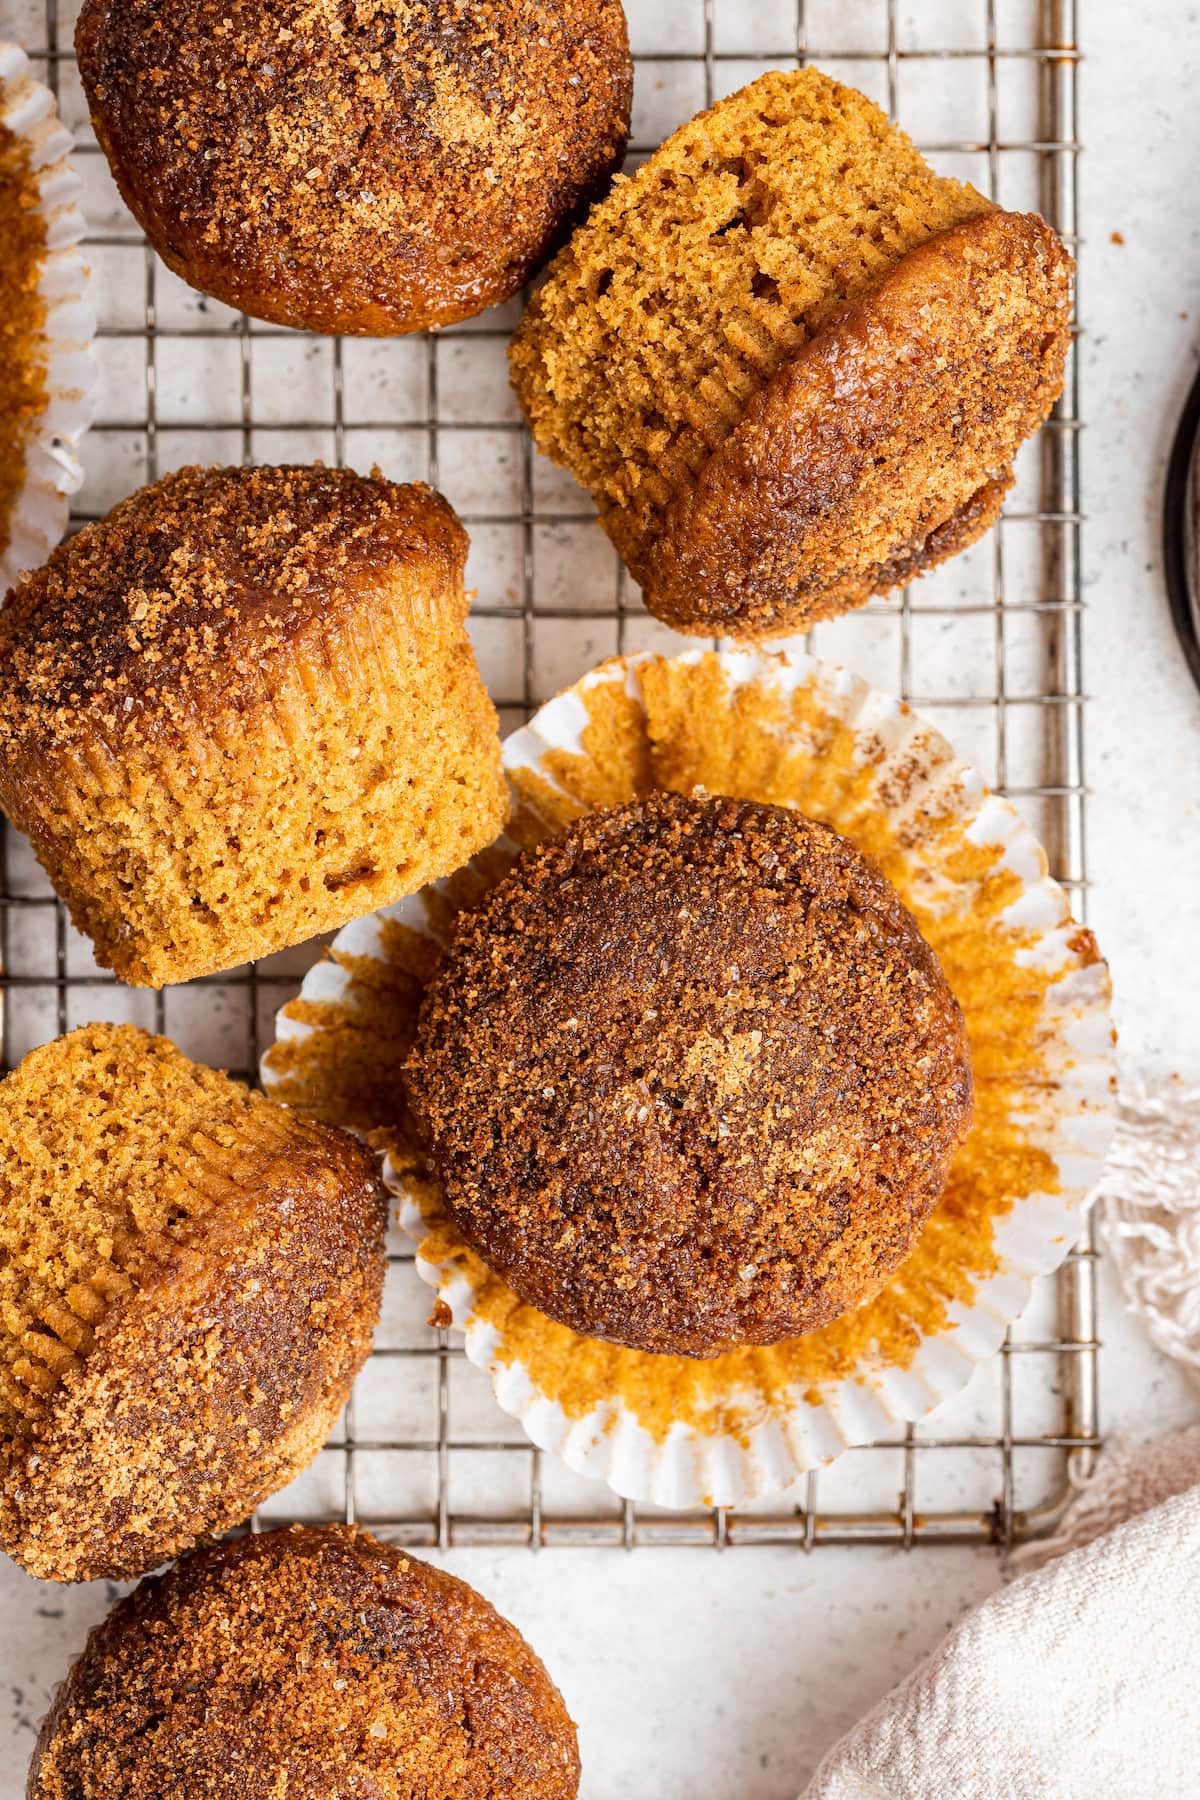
(357, 165)
(301, 1665)
(690, 1077)
(694, 726)
(187, 590)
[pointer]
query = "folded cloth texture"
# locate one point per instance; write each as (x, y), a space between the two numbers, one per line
(1150, 1200)
(1076, 1682)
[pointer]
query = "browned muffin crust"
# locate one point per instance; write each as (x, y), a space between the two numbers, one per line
(243, 709)
(190, 1278)
(790, 362)
(884, 447)
(372, 166)
(182, 595)
(690, 1077)
(306, 1663)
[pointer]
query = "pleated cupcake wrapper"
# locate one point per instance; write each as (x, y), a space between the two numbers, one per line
(1067, 1107)
(53, 471)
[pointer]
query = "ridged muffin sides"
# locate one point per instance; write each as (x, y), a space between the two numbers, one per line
(190, 1278)
(367, 167)
(791, 363)
(306, 1664)
(243, 709)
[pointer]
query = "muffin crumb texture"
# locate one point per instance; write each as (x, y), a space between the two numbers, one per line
(22, 318)
(779, 407)
(189, 1278)
(243, 709)
(306, 1663)
(370, 166)
(690, 1078)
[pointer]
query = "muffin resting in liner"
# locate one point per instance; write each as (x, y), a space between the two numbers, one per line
(190, 1278)
(373, 168)
(47, 369)
(1034, 995)
(306, 1663)
(242, 709)
(791, 364)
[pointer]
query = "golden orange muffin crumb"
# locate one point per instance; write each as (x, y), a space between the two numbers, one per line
(22, 317)
(243, 709)
(790, 362)
(307, 1663)
(690, 1077)
(376, 167)
(189, 1278)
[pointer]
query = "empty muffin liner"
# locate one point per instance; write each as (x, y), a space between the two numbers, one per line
(52, 470)
(1033, 988)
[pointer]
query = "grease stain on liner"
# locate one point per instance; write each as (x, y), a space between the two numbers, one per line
(1033, 989)
(50, 373)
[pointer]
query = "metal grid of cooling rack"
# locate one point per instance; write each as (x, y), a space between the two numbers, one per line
(989, 647)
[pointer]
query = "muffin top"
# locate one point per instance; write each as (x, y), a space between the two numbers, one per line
(690, 1076)
(703, 273)
(306, 1662)
(182, 595)
(106, 1137)
(189, 1277)
(790, 361)
(357, 165)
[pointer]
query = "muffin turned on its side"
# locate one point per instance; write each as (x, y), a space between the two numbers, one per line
(243, 709)
(690, 1077)
(306, 1664)
(189, 1278)
(371, 168)
(790, 362)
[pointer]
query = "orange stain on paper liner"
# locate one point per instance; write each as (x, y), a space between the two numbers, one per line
(749, 740)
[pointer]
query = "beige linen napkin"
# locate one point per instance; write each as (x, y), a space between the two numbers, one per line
(1079, 1681)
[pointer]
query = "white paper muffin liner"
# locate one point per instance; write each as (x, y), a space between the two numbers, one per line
(898, 766)
(52, 468)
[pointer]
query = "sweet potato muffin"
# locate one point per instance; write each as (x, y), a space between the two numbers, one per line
(790, 362)
(311, 1664)
(690, 1077)
(243, 709)
(371, 167)
(22, 319)
(189, 1278)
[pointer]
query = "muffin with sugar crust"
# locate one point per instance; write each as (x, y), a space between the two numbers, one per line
(790, 362)
(689, 1077)
(374, 167)
(190, 1275)
(243, 709)
(306, 1664)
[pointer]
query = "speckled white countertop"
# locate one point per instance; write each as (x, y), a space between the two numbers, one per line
(723, 1676)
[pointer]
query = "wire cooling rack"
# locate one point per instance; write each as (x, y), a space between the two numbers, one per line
(988, 647)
